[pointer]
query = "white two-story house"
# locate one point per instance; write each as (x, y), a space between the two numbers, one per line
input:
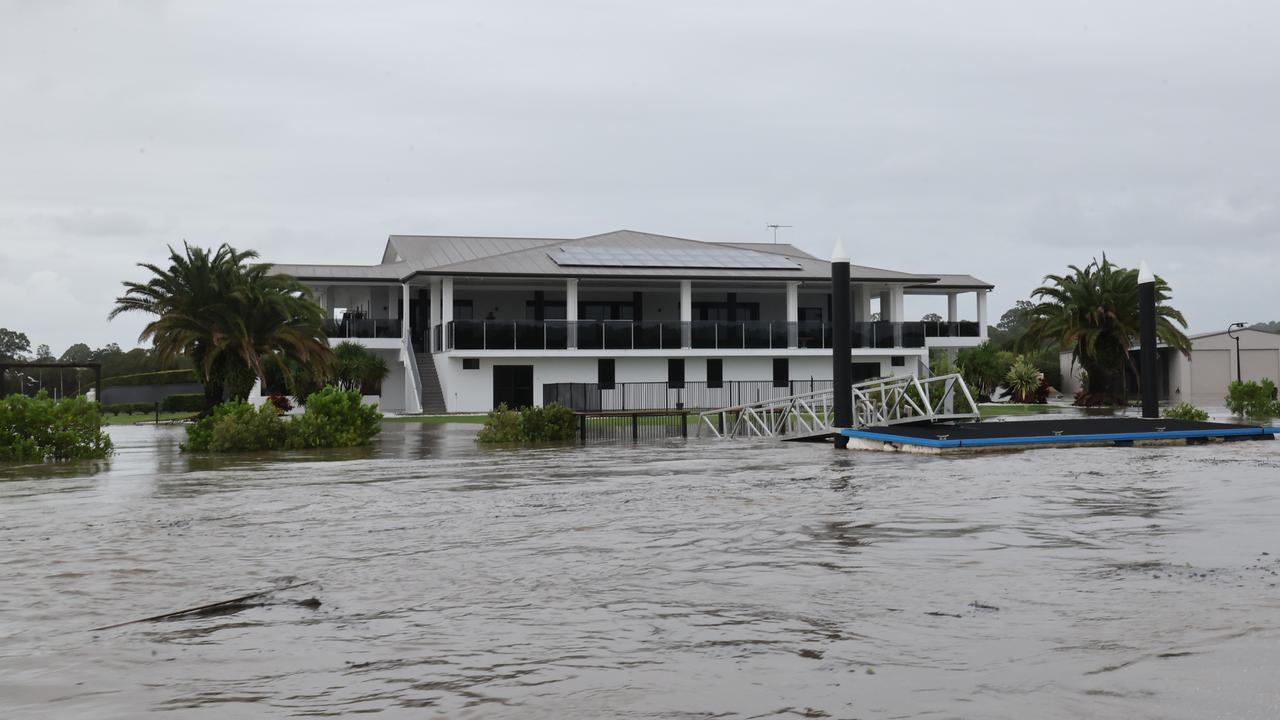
(625, 319)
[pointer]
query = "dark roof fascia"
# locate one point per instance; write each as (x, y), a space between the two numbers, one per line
(939, 286)
(430, 273)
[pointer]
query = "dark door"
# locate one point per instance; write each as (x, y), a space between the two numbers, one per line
(513, 385)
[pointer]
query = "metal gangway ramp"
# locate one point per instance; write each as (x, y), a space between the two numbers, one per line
(876, 403)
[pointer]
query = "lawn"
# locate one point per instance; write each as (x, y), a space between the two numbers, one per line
(436, 419)
(996, 410)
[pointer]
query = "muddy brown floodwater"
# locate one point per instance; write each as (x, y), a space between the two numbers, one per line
(714, 579)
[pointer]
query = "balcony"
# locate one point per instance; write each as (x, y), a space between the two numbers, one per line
(362, 328)
(701, 335)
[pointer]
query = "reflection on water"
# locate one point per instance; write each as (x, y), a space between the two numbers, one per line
(700, 580)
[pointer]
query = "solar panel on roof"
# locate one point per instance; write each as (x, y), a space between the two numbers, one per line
(720, 258)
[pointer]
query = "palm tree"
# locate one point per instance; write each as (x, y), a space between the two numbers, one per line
(1094, 312)
(232, 318)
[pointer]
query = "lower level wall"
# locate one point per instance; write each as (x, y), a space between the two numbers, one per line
(471, 391)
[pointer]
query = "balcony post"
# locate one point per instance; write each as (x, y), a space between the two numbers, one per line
(404, 315)
(686, 313)
(982, 314)
(571, 313)
(446, 301)
(793, 314)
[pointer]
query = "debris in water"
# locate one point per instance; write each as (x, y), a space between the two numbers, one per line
(204, 609)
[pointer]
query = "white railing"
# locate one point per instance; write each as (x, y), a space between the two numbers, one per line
(890, 401)
(413, 386)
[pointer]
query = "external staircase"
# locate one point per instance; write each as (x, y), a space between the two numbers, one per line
(432, 394)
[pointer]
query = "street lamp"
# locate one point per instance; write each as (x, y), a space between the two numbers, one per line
(1235, 337)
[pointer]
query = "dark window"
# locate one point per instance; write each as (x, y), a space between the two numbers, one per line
(604, 373)
(865, 371)
(463, 310)
(899, 361)
(470, 363)
(715, 373)
(675, 373)
(781, 372)
(810, 314)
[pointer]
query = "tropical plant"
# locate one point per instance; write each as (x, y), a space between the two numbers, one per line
(984, 367)
(41, 428)
(358, 368)
(1023, 379)
(232, 318)
(1253, 399)
(1093, 311)
(1186, 411)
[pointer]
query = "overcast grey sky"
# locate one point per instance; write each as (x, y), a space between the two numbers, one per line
(1002, 139)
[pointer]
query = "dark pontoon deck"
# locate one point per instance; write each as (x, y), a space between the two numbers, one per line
(1017, 434)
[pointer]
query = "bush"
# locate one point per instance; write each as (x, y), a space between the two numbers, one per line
(281, 402)
(334, 418)
(551, 423)
(183, 402)
(1186, 411)
(40, 428)
(502, 425)
(237, 426)
(1252, 399)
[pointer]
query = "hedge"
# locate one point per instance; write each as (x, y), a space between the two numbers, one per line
(160, 377)
(129, 408)
(183, 402)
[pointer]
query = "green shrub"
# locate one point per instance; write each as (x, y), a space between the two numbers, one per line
(40, 428)
(183, 402)
(334, 418)
(1186, 411)
(1252, 399)
(551, 423)
(237, 426)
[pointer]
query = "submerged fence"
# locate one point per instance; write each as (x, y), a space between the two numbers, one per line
(633, 426)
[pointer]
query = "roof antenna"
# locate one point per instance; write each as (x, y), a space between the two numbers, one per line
(774, 227)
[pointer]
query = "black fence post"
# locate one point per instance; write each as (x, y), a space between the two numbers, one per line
(635, 427)
(684, 425)
(582, 427)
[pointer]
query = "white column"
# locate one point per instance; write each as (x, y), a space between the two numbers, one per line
(861, 303)
(404, 320)
(899, 304)
(686, 312)
(571, 310)
(446, 309)
(953, 310)
(886, 306)
(982, 314)
(793, 313)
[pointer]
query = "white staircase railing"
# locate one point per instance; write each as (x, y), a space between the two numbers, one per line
(891, 401)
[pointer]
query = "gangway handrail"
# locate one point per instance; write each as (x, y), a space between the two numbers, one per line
(880, 402)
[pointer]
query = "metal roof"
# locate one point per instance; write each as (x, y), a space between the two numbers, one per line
(955, 282)
(409, 255)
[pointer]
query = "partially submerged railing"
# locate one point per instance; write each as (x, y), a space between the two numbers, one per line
(890, 401)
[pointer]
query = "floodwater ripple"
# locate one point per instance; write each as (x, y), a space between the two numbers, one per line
(713, 579)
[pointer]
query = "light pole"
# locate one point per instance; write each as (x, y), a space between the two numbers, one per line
(1233, 336)
(841, 355)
